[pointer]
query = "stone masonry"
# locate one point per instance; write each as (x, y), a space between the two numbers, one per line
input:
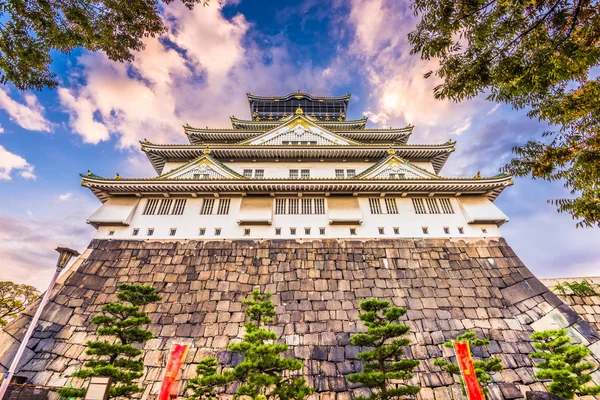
(449, 287)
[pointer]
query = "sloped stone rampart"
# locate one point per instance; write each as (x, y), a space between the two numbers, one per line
(448, 286)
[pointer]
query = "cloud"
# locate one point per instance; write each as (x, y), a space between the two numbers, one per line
(10, 161)
(493, 110)
(29, 115)
(65, 197)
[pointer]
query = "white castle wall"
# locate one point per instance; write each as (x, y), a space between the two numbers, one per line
(188, 224)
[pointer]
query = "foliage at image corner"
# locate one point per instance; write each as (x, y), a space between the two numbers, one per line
(263, 373)
(118, 358)
(584, 287)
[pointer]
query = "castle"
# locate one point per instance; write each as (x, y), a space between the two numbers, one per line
(321, 211)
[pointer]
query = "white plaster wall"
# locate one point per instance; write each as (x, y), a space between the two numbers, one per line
(409, 223)
(170, 166)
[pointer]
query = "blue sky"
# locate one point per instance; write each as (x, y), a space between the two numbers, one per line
(199, 72)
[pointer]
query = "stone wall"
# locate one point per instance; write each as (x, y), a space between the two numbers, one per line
(586, 306)
(448, 286)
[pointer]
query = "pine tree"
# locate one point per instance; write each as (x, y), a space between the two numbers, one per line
(264, 373)
(118, 358)
(383, 363)
(563, 363)
(481, 367)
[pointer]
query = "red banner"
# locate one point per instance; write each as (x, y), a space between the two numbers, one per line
(465, 363)
(176, 359)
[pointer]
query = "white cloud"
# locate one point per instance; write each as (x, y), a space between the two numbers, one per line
(463, 128)
(28, 116)
(493, 110)
(10, 162)
(65, 197)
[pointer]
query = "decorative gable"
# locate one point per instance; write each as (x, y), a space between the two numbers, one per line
(299, 131)
(204, 167)
(394, 167)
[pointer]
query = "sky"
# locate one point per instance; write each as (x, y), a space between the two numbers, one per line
(198, 74)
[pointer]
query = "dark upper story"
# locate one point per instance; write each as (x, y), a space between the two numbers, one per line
(269, 108)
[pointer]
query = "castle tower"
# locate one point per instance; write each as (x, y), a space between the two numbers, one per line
(322, 211)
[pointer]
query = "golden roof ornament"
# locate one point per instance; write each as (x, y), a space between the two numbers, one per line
(206, 151)
(391, 151)
(89, 173)
(118, 176)
(478, 175)
(299, 111)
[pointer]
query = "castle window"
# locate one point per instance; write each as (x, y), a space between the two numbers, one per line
(306, 206)
(223, 208)
(150, 208)
(418, 205)
(425, 230)
(165, 206)
(305, 173)
(390, 206)
(278, 231)
(259, 173)
(247, 232)
(293, 207)
(172, 231)
(307, 231)
(150, 231)
(201, 231)
(375, 205)
(350, 173)
(217, 231)
(446, 230)
(446, 205)
(111, 233)
(353, 231)
(339, 173)
(396, 230)
(247, 173)
(292, 231)
(321, 231)
(135, 232)
(179, 206)
(300, 206)
(483, 230)
(207, 206)
(432, 205)
(381, 230)
(461, 230)
(293, 173)
(319, 206)
(196, 176)
(280, 206)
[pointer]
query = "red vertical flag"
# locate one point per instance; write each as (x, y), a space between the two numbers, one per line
(465, 363)
(176, 359)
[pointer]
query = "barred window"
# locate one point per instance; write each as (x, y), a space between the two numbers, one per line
(278, 231)
(150, 231)
(321, 231)
(293, 206)
(396, 230)
(319, 206)
(390, 206)
(247, 173)
(165, 206)
(418, 205)
(172, 231)
(207, 206)
(217, 231)
(446, 205)
(201, 231)
(280, 206)
(223, 208)
(179, 206)
(339, 173)
(375, 205)
(307, 231)
(425, 230)
(350, 173)
(381, 230)
(432, 205)
(306, 206)
(293, 173)
(259, 173)
(305, 173)
(150, 208)
(136, 231)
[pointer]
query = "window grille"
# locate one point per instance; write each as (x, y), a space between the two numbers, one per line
(136, 231)
(483, 230)
(353, 231)
(375, 205)
(350, 173)
(319, 206)
(150, 208)
(172, 231)
(306, 206)
(223, 206)
(305, 173)
(280, 206)
(322, 231)
(196, 176)
(307, 231)
(165, 206)
(425, 230)
(339, 173)
(247, 232)
(461, 230)
(446, 230)
(217, 231)
(150, 231)
(278, 231)
(293, 206)
(446, 205)
(390, 206)
(201, 231)
(292, 231)
(293, 173)
(418, 205)
(179, 206)
(207, 206)
(432, 205)
(111, 233)
(247, 173)
(381, 230)
(259, 173)
(396, 230)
